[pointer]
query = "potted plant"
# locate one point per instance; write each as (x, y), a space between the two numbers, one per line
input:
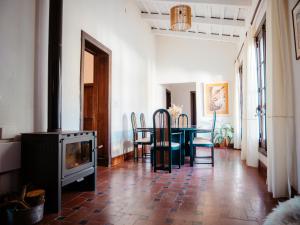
(224, 135)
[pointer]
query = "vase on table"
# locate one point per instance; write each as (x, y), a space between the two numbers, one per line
(174, 111)
(174, 122)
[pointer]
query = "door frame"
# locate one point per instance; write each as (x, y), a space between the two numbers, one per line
(85, 37)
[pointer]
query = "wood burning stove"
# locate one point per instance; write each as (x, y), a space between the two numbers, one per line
(52, 160)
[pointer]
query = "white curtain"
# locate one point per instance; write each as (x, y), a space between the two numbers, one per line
(250, 102)
(237, 108)
(280, 117)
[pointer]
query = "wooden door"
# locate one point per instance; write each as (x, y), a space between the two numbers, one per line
(168, 99)
(193, 108)
(90, 104)
(102, 112)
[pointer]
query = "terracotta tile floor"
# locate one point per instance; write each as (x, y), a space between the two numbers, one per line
(131, 194)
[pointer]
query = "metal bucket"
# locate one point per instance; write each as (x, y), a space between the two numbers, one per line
(25, 216)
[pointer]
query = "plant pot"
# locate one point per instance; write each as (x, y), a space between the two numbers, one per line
(226, 143)
(217, 145)
(230, 146)
(223, 144)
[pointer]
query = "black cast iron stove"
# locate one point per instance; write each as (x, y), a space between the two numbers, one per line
(52, 160)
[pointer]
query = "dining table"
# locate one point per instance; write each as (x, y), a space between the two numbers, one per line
(185, 131)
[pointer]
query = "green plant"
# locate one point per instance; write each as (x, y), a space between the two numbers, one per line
(224, 135)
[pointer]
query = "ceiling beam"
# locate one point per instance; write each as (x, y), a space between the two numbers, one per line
(195, 35)
(200, 20)
(234, 3)
(145, 6)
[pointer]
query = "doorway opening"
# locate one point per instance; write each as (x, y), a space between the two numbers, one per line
(193, 108)
(168, 99)
(95, 83)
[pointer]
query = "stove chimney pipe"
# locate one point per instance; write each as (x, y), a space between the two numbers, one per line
(54, 65)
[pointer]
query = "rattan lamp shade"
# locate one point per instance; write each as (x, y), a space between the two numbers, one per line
(181, 18)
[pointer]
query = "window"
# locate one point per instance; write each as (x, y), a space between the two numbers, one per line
(241, 97)
(261, 79)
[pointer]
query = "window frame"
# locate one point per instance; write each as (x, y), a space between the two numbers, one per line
(241, 97)
(261, 83)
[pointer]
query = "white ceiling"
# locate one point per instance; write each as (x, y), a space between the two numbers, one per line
(221, 20)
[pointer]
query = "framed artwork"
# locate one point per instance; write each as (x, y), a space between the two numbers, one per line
(296, 27)
(216, 99)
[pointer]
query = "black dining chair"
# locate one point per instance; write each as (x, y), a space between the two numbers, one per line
(144, 135)
(202, 142)
(136, 140)
(164, 148)
(183, 120)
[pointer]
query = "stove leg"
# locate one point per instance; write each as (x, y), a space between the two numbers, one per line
(53, 199)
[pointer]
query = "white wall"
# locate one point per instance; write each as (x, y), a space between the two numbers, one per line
(116, 24)
(180, 60)
(296, 72)
(160, 95)
(17, 28)
(180, 96)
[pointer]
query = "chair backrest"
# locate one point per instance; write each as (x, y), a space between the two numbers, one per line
(162, 128)
(183, 120)
(134, 126)
(142, 120)
(213, 126)
(143, 124)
